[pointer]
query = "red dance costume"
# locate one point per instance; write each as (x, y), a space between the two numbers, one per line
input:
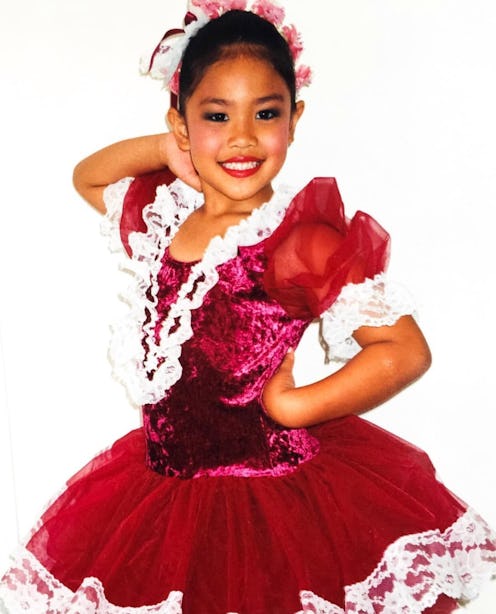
(213, 508)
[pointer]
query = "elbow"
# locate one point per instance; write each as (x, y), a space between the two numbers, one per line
(285, 411)
(426, 361)
(279, 415)
(288, 420)
(408, 352)
(408, 366)
(77, 180)
(92, 194)
(420, 360)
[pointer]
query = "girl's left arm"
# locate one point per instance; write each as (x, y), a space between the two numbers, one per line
(391, 358)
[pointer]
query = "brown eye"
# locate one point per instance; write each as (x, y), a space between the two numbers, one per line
(216, 117)
(267, 114)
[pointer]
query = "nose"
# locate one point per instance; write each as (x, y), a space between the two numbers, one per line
(242, 133)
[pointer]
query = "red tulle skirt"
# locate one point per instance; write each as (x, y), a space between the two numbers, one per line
(254, 545)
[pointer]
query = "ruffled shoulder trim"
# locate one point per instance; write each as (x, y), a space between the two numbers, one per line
(316, 251)
(113, 197)
(125, 201)
(141, 192)
(147, 375)
(131, 365)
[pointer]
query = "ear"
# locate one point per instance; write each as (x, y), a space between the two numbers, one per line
(295, 118)
(177, 125)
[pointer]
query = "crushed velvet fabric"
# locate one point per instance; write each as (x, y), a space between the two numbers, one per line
(212, 417)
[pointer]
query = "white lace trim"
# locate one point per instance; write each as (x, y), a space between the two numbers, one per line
(114, 198)
(130, 366)
(414, 571)
(29, 587)
(374, 302)
(148, 376)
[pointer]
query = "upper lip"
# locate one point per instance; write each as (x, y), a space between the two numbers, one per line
(241, 159)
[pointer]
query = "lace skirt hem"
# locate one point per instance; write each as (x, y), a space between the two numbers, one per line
(413, 573)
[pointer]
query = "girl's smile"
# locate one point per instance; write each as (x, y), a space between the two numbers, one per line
(241, 166)
(237, 127)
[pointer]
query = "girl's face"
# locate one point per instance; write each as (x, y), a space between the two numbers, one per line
(237, 127)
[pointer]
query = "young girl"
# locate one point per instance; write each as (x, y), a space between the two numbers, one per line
(243, 493)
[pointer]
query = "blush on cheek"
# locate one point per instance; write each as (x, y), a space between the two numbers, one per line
(204, 141)
(278, 144)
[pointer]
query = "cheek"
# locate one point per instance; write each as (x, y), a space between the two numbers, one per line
(203, 141)
(277, 143)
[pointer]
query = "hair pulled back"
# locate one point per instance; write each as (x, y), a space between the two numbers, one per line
(233, 34)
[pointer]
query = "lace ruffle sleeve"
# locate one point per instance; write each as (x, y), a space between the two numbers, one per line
(125, 201)
(374, 302)
(322, 264)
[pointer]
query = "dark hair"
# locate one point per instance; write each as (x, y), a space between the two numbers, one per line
(232, 34)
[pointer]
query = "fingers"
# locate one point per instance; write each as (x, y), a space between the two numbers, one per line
(283, 378)
(278, 395)
(193, 180)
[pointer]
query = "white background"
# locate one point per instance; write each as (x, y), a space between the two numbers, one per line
(401, 112)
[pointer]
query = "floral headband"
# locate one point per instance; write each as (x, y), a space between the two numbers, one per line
(165, 63)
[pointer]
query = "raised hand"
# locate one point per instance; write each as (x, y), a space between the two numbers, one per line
(179, 161)
(131, 158)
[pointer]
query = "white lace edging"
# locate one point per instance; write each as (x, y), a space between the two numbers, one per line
(113, 196)
(374, 302)
(147, 375)
(29, 587)
(130, 364)
(414, 571)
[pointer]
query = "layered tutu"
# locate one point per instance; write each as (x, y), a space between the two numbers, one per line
(122, 538)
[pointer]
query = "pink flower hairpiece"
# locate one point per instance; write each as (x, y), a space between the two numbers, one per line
(165, 62)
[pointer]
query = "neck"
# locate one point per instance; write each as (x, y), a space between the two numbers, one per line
(217, 205)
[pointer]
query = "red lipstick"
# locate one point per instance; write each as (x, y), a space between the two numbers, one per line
(241, 166)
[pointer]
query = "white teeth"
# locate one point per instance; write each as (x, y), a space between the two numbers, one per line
(240, 166)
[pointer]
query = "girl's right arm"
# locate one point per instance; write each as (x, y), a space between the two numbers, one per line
(131, 158)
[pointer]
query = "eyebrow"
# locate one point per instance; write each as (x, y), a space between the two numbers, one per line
(225, 103)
